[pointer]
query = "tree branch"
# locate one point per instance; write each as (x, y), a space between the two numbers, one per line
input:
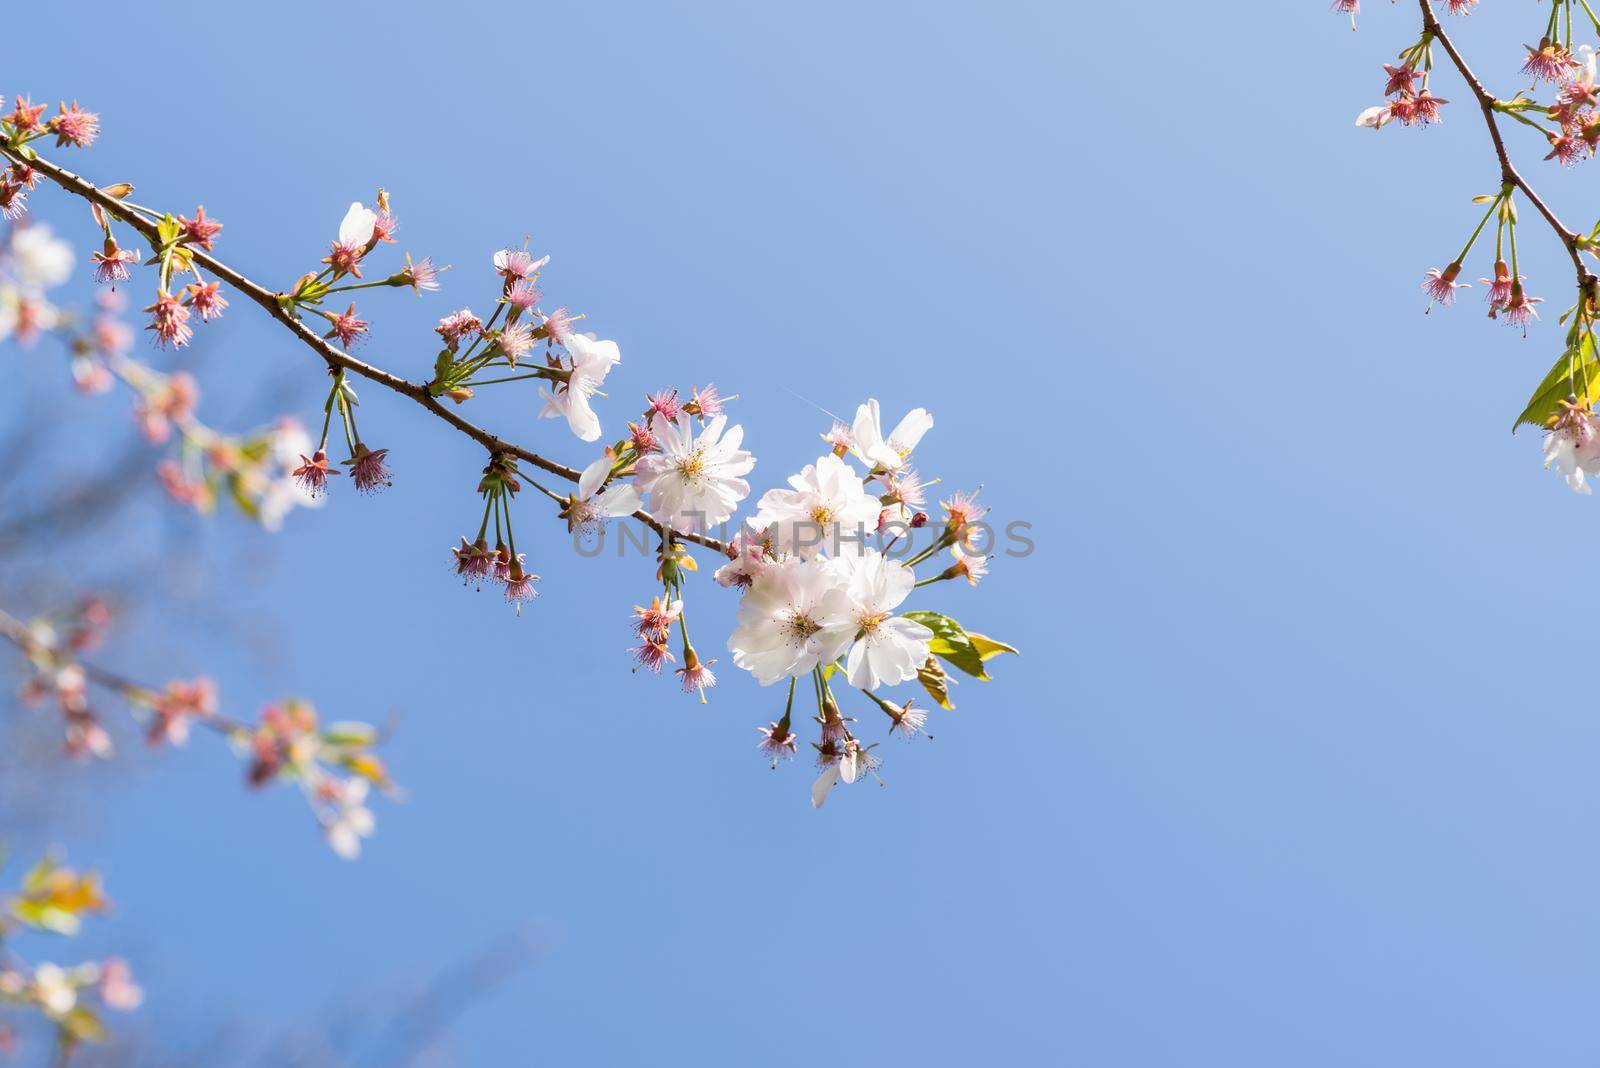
(332, 355)
(1508, 172)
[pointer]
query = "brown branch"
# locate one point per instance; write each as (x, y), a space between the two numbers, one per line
(1508, 172)
(332, 355)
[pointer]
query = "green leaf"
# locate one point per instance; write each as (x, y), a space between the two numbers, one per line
(951, 643)
(987, 647)
(1576, 372)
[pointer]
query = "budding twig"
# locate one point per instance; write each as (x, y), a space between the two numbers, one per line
(332, 355)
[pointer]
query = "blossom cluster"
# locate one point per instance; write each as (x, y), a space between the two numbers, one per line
(1562, 109)
(53, 899)
(823, 589)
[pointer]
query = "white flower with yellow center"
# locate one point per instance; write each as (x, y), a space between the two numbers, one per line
(795, 615)
(826, 510)
(694, 483)
(888, 649)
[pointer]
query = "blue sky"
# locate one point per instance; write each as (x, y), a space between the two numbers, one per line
(1296, 766)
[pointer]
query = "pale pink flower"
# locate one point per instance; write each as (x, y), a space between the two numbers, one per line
(1519, 308)
(905, 721)
(696, 675)
(520, 584)
(1441, 285)
(1499, 292)
(558, 326)
(706, 403)
(111, 263)
(514, 264)
(458, 325)
(514, 342)
(778, 742)
(524, 295)
(422, 275)
(116, 986)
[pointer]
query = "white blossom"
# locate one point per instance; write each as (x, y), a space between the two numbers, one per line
(796, 615)
(39, 261)
(592, 360)
(890, 453)
(827, 509)
(888, 649)
(588, 508)
(694, 483)
(355, 229)
(349, 819)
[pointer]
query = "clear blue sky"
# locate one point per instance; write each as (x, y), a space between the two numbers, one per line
(1292, 770)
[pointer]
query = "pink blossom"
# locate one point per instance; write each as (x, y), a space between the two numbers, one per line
(26, 116)
(312, 474)
(778, 742)
(199, 230)
(558, 325)
(696, 675)
(1549, 62)
(13, 199)
(1441, 285)
(1519, 308)
(368, 470)
(514, 342)
(474, 562)
(706, 403)
(513, 264)
(458, 325)
(75, 127)
(1568, 149)
(422, 275)
(1499, 293)
(347, 327)
(117, 988)
(1401, 79)
(663, 403)
(111, 263)
(170, 321)
(519, 584)
(642, 438)
(205, 298)
(524, 295)
(651, 655)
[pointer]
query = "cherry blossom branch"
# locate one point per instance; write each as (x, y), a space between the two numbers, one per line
(334, 357)
(287, 745)
(1508, 172)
